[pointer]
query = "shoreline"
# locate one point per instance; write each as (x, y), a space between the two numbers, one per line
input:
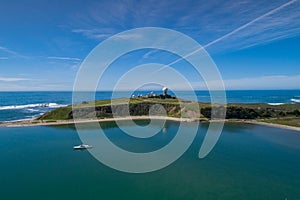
(34, 122)
(293, 128)
(245, 121)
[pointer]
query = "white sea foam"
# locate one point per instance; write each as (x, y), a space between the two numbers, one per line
(295, 100)
(45, 105)
(275, 104)
(32, 110)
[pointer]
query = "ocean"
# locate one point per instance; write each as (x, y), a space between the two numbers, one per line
(26, 105)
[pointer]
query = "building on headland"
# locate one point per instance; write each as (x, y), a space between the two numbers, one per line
(165, 95)
(165, 91)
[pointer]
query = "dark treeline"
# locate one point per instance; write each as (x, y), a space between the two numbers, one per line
(235, 112)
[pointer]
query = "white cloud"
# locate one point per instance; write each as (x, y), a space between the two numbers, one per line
(64, 58)
(243, 23)
(10, 79)
(93, 33)
(127, 36)
(11, 52)
(100, 34)
(260, 28)
(253, 21)
(150, 53)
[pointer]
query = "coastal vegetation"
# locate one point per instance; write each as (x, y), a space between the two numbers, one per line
(288, 114)
(117, 107)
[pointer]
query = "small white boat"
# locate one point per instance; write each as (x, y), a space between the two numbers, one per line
(82, 146)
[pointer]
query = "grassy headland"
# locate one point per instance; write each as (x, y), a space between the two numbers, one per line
(168, 108)
(106, 108)
(288, 114)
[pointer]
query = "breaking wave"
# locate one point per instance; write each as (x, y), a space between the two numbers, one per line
(31, 106)
(295, 100)
(276, 104)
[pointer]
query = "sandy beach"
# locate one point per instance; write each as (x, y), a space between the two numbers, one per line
(34, 122)
(274, 125)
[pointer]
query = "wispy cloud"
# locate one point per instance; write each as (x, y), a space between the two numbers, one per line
(13, 79)
(13, 53)
(250, 23)
(100, 34)
(92, 33)
(225, 25)
(64, 58)
(3, 58)
(127, 36)
(237, 32)
(265, 23)
(150, 53)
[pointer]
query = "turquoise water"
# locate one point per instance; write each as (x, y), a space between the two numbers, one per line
(22, 105)
(248, 162)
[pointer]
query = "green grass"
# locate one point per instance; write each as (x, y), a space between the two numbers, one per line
(57, 114)
(177, 108)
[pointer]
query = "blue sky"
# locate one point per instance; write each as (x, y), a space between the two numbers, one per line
(255, 44)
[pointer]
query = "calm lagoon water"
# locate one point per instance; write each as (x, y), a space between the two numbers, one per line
(248, 162)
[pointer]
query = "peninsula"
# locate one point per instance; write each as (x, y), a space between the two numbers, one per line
(170, 108)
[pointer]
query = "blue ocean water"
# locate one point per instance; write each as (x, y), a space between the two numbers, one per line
(24, 105)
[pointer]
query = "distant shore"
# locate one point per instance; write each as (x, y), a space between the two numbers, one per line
(34, 122)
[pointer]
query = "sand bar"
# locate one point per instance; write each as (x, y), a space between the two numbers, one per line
(34, 122)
